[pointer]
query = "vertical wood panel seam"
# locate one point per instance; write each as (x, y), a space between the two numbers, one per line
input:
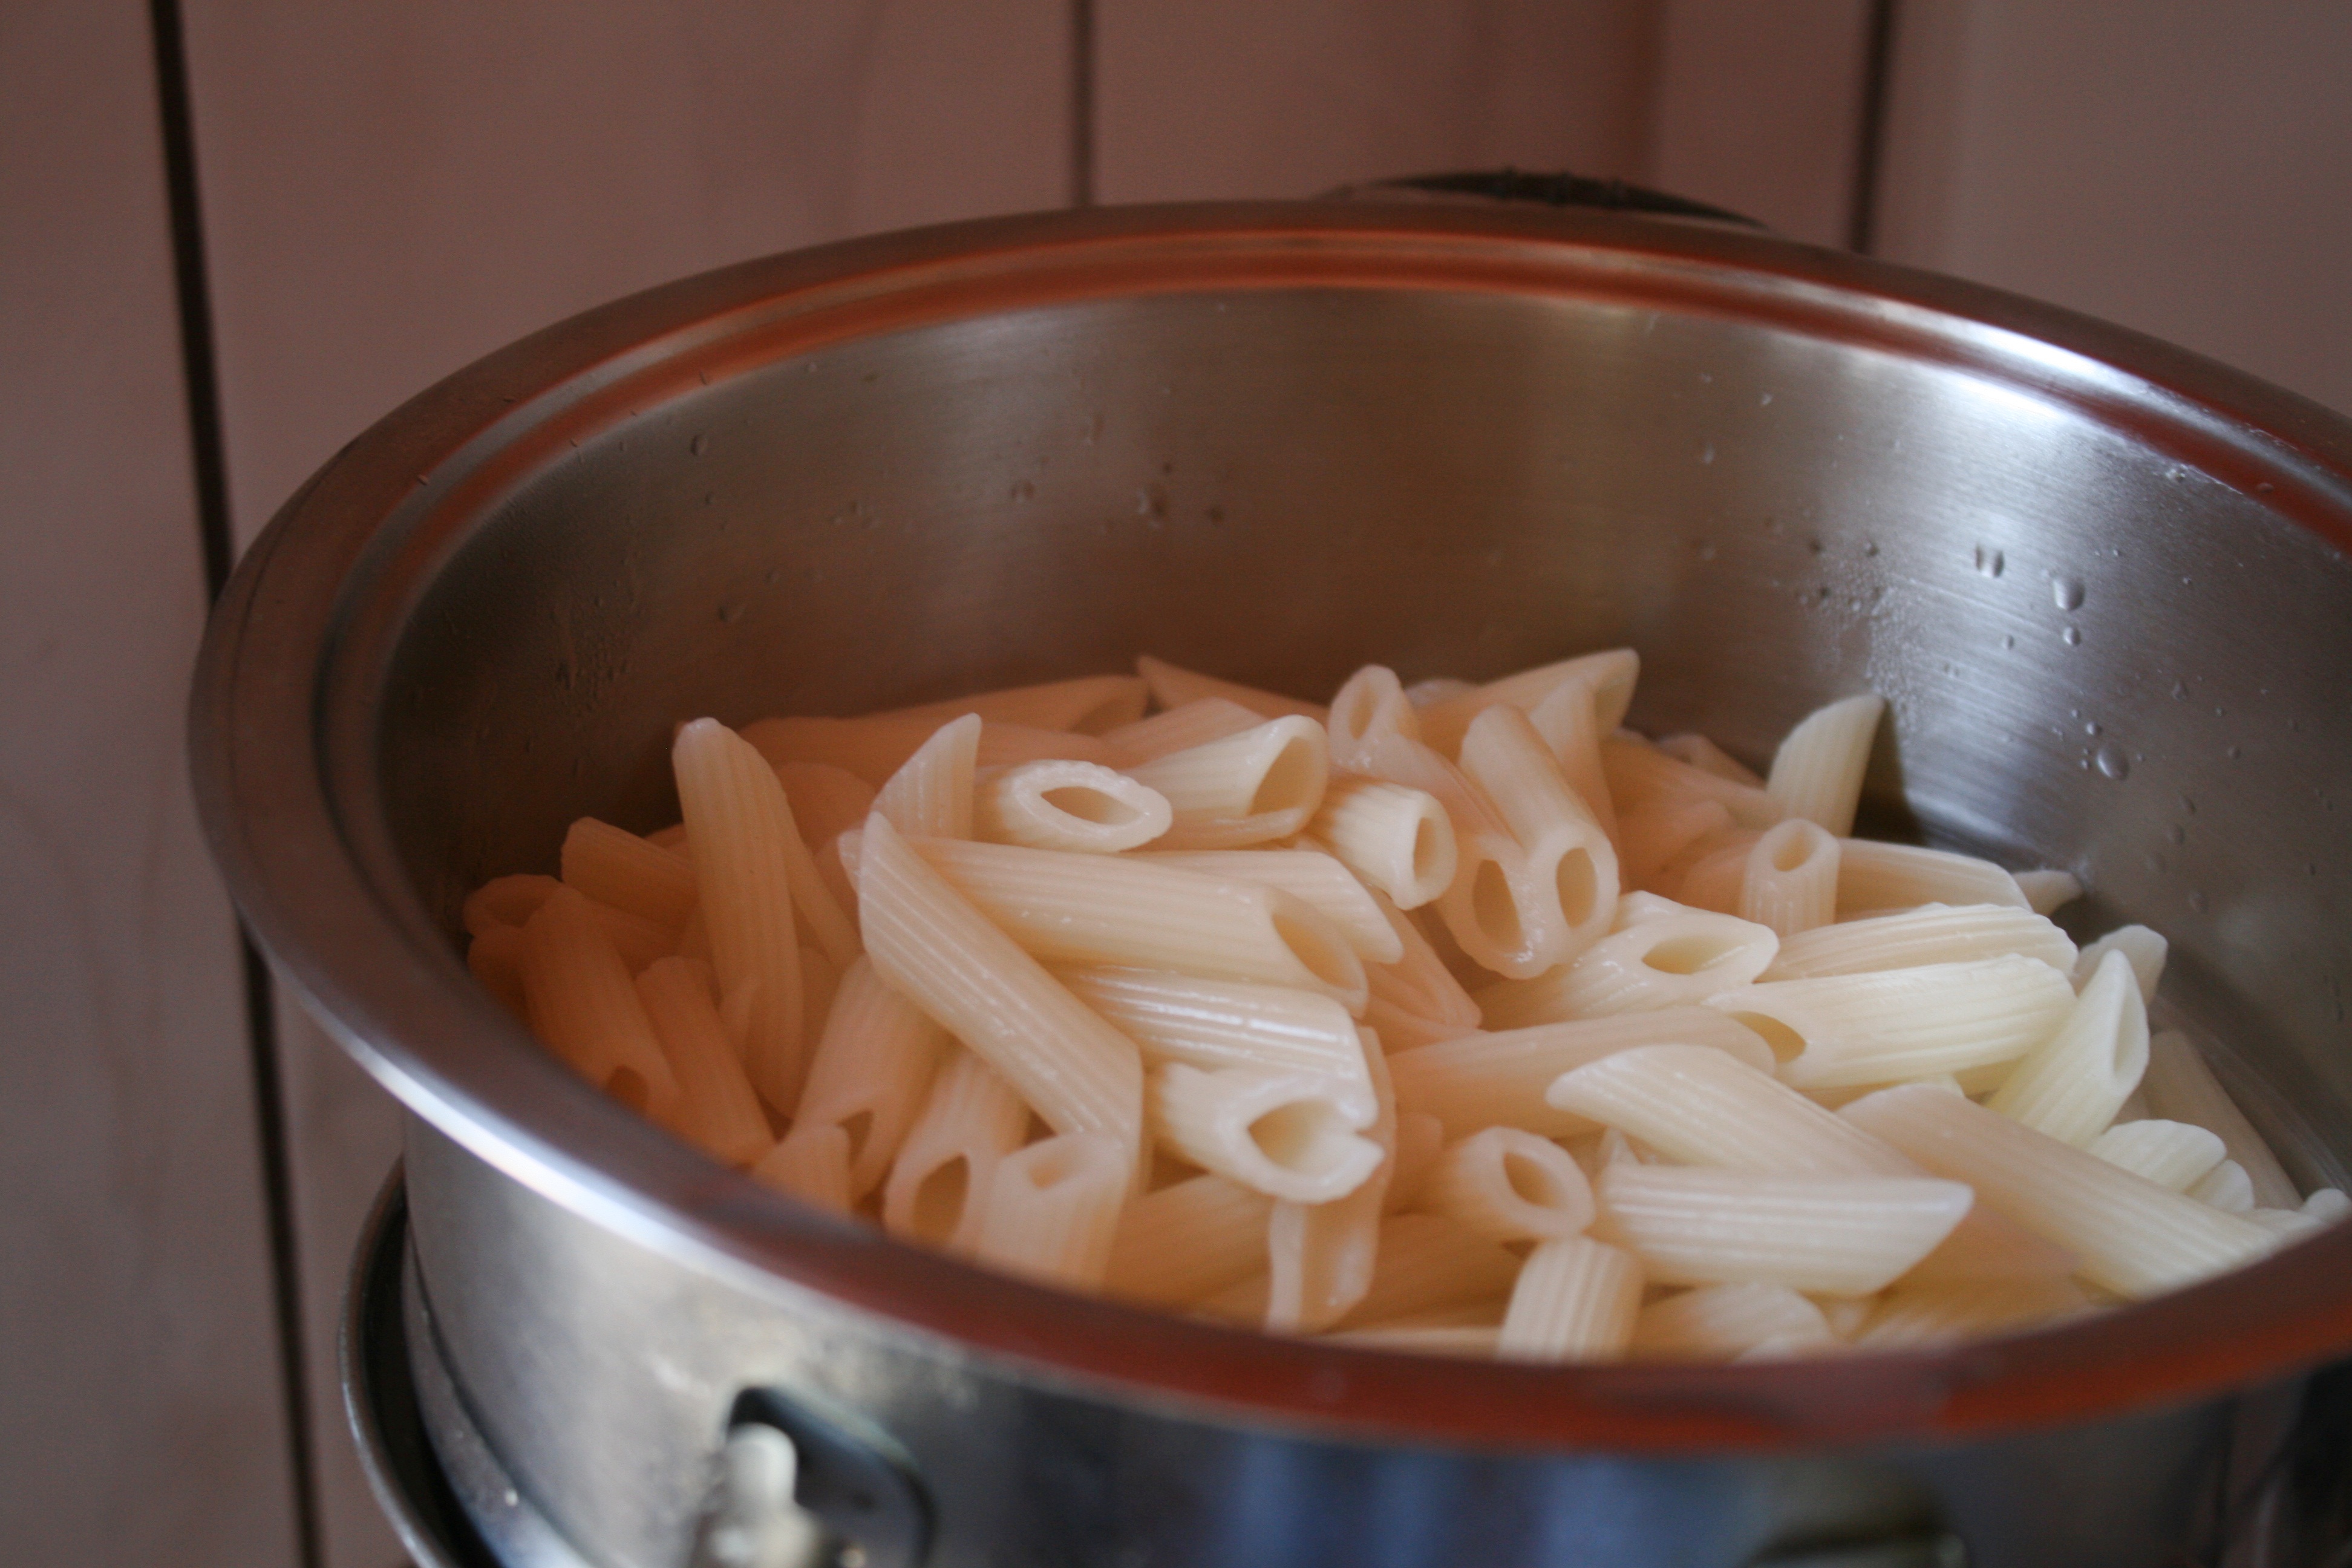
(208, 466)
(1870, 130)
(1082, 103)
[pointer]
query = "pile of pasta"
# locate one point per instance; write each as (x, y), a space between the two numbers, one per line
(1451, 1018)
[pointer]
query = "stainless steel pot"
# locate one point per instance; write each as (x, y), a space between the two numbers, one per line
(2103, 584)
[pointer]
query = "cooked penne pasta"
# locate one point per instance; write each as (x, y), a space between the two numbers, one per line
(1197, 723)
(585, 1006)
(1307, 874)
(2073, 1083)
(1892, 1025)
(1369, 707)
(1499, 1078)
(1319, 1256)
(1707, 757)
(872, 1071)
(1049, 1211)
(495, 960)
(2046, 891)
(1706, 1107)
(825, 799)
(930, 794)
(716, 1108)
(1477, 1340)
(614, 867)
(2142, 948)
(1721, 1322)
(1817, 772)
(1915, 1316)
(1669, 960)
(1426, 1263)
(1077, 806)
(1397, 839)
(1661, 839)
(1419, 983)
(1249, 788)
(1934, 933)
(1643, 778)
(1104, 908)
(1826, 1235)
(811, 1164)
(931, 945)
(2180, 1088)
(506, 901)
(2133, 1238)
(1187, 1240)
(1873, 878)
(1509, 1185)
(2226, 1187)
(1289, 1134)
(971, 1119)
(2175, 1154)
(1790, 877)
(1573, 865)
(1172, 687)
(1575, 1300)
(1213, 1024)
(1420, 1139)
(1607, 678)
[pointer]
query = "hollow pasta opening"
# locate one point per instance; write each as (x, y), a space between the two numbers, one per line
(1579, 885)
(1326, 960)
(940, 1199)
(1691, 954)
(1088, 803)
(1304, 1135)
(1424, 849)
(1495, 912)
(1531, 1181)
(1786, 1043)
(1289, 780)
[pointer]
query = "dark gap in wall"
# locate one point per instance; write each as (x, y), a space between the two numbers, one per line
(1082, 103)
(1877, 64)
(209, 466)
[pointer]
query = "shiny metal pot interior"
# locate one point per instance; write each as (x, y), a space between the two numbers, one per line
(2103, 583)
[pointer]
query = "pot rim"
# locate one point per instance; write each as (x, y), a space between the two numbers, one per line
(285, 709)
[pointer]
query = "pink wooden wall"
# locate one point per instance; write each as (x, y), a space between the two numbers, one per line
(391, 188)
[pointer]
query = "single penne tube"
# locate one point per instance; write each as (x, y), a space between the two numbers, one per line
(614, 867)
(1509, 1185)
(1826, 1235)
(1720, 1322)
(1369, 705)
(1817, 772)
(1937, 933)
(1575, 1298)
(1988, 1245)
(1090, 704)
(506, 901)
(1499, 1078)
(1172, 687)
(1573, 861)
(2046, 891)
(1506, 908)
(1213, 1024)
(1920, 1315)
(1707, 757)
(825, 799)
(2175, 1154)
(1397, 758)
(1195, 724)
(1875, 876)
(1319, 1256)
(1699, 1106)
(811, 1164)
(1402, 1031)
(1570, 718)
(872, 1071)
(1187, 1240)
(1790, 878)
(1420, 1139)
(1249, 788)
(1711, 873)
(971, 1119)
(931, 945)
(1892, 1026)
(1397, 839)
(1049, 1211)
(1643, 778)
(2072, 1084)
(584, 1005)
(637, 940)
(2227, 1187)
(1607, 676)
(717, 1109)
(1308, 874)
(1671, 960)
(1081, 808)
(1426, 1263)
(2145, 950)
(1290, 1135)
(1660, 841)
(1107, 909)
(2179, 1087)
(2133, 1237)
(495, 960)
(930, 796)
(1419, 983)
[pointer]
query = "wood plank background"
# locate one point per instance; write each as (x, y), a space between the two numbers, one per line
(391, 188)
